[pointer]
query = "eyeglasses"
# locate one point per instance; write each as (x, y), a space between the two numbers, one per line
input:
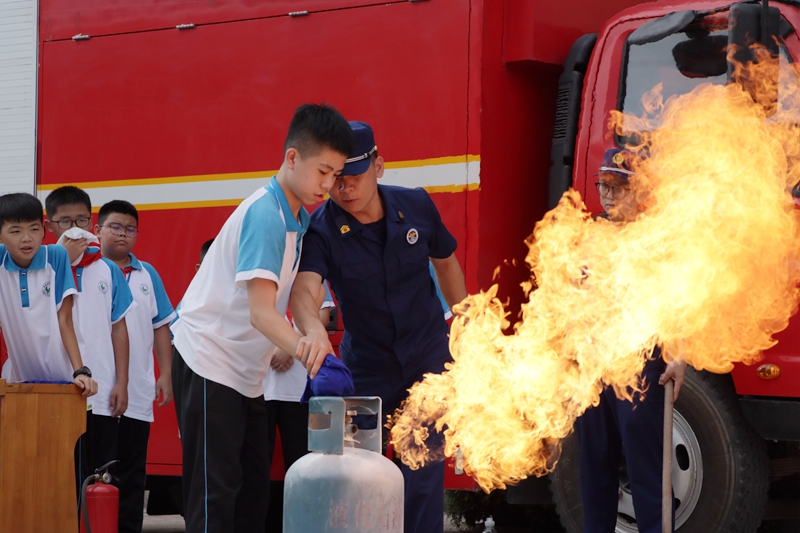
(66, 223)
(119, 229)
(617, 192)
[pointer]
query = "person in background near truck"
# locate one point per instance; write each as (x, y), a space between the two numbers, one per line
(613, 425)
(148, 328)
(373, 244)
(37, 323)
(103, 301)
(232, 318)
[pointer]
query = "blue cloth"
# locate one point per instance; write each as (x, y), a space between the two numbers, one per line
(333, 379)
(603, 432)
(386, 295)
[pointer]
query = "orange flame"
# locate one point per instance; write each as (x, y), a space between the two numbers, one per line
(710, 266)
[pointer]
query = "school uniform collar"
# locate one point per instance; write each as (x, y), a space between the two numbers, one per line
(135, 263)
(39, 261)
(292, 224)
(347, 225)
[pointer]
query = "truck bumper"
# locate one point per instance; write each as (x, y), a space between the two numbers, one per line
(773, 419)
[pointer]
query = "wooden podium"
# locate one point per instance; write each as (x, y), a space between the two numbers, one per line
(39, 426)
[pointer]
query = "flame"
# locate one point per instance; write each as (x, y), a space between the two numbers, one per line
(708, 270)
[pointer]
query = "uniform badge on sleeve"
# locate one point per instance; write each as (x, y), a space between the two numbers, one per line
(412, 236)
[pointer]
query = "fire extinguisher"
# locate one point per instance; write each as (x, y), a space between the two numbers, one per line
(100, 503)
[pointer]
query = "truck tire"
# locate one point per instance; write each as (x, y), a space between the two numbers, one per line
(720, 466)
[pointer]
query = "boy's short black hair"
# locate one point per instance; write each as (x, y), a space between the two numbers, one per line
(204, 249)
(66, 195)
(20, 207)
(116, 206)
(318, 126)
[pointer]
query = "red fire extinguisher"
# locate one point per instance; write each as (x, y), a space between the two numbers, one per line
(99, 503)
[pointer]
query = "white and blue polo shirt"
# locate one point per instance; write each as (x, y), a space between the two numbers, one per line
(261, 239)
(103, 300)
(153, 310)
(31, 298)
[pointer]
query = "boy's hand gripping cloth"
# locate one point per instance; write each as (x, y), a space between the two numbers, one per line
(333, 379)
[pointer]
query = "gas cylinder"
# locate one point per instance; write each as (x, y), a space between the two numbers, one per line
(101, 503)
(345, 483)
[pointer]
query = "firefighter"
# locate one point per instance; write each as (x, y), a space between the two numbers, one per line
(373, 244)
(613, 425)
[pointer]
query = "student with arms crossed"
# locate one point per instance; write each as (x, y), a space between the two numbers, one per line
(231, 320)
(36, 307)
(148, 328)
(99, 315)
(373, 244)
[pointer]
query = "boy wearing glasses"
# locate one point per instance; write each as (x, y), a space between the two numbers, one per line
(613, 425)
(103, 301)
(148, 328)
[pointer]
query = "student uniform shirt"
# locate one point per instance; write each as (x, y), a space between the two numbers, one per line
(387, 297)
(31, 298)
(213, 334)
(103, 300)
(152, 311)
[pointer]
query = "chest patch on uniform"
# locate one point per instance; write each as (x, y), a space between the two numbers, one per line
(103, 286)
(46, 289)
(344, 229)
(145, 289)
(412, 236)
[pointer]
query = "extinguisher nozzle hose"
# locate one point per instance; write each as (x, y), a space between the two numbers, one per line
(84, 512)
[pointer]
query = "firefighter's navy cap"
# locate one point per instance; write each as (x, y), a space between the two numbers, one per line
(617, 162)
(364, 141)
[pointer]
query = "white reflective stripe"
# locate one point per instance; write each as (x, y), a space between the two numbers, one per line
(18, 67)
(445, 177)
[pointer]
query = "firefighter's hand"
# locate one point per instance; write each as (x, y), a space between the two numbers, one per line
(87, 384)
(118, 403)
(75, 247)
(281, 361)
(164, 389)
(312, 350)
(676, 370)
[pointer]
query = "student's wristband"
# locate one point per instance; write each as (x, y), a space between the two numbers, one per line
(82, 371)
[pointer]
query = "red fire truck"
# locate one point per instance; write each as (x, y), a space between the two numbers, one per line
(181, 108)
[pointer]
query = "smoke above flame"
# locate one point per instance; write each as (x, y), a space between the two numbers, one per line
(708, 270)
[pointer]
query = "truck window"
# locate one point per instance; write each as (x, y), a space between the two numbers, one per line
(680, 62)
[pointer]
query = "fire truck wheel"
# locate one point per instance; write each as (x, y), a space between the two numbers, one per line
(720, 466)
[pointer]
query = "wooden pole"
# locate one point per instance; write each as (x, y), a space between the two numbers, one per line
(666, 473)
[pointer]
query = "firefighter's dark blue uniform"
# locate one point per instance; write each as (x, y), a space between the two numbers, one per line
(395, 330)
(637, 428)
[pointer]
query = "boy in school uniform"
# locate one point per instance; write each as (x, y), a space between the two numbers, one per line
(148, 328)
(36, 307)
(99, 316)
(231, 320)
